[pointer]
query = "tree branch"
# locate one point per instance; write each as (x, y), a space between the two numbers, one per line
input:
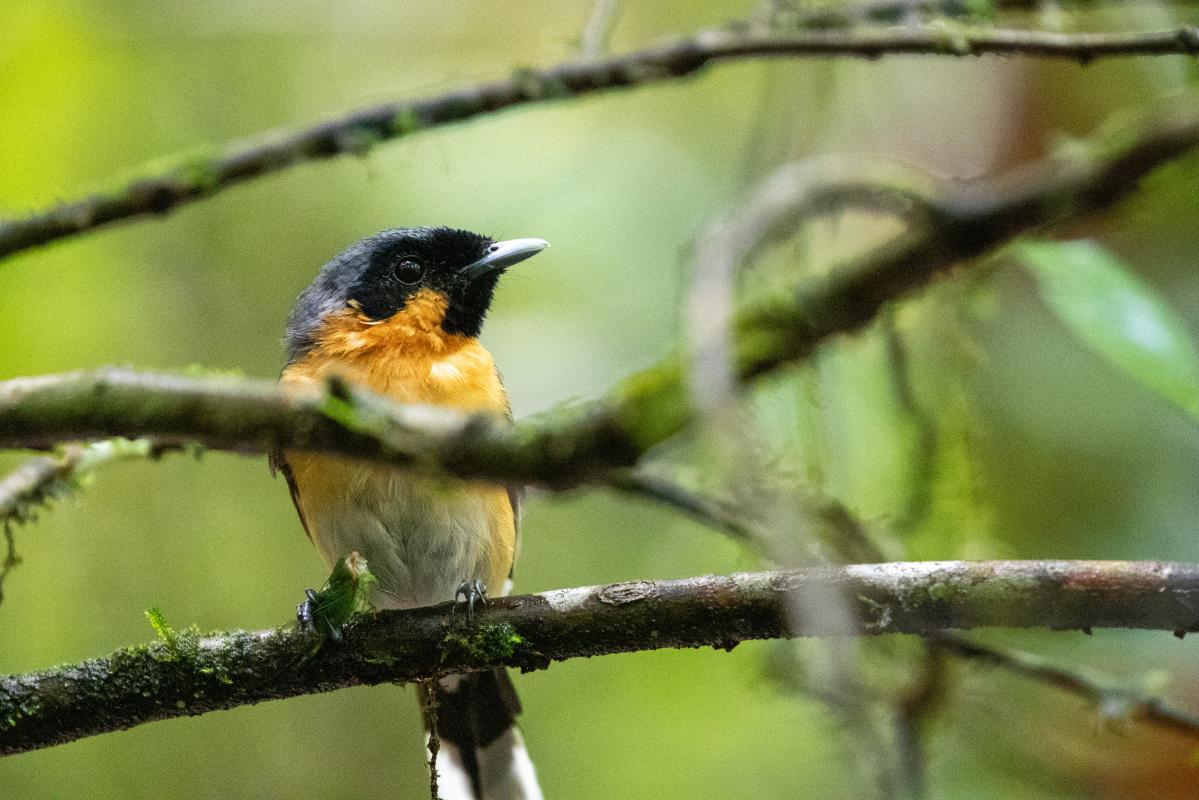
(897, 12)
(925, 694)
(43, 478)
(193, 177)
(160, 681)
(568, 447)
(1114, 702)
(39, 480)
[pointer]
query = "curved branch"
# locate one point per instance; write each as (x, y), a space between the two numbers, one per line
(957, 223)
(571, 446)
(154, 682)
(193, 177)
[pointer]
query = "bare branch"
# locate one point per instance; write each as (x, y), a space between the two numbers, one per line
(154, 682)
(190, 178)
(31, 483)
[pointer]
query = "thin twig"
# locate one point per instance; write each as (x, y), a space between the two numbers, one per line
(428, 693)
(705, 510)
(143, 684)
(922, 472)
(598, 30)
(913, 711)
(775, 208)
(157, 191)
(11, 559)
(1113, 701)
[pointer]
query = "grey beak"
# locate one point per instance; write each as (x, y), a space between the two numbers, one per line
(502, 255)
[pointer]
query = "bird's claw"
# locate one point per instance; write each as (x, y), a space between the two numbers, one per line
(307, 621)
(304, 612)
(473, 591)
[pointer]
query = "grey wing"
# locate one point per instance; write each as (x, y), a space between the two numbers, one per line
(278, 463)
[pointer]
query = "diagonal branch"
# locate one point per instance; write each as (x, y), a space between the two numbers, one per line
(568, 447)
(154, 682)
(194, 177)
(1113, 701)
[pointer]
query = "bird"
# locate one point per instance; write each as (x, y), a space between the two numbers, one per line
(400, 313)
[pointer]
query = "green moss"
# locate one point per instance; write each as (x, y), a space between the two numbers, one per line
(177, 645)
(942, 590)
(198, 173)
(406, 121)
(483, 644)
(359, 141)
(29, 706)
(183, 647)
(653, 404)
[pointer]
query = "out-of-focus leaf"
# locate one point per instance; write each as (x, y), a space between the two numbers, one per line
(1117, 316)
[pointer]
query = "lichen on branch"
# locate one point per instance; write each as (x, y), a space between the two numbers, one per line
(159, 681)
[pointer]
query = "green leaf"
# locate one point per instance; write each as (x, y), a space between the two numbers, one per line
(1117, 316)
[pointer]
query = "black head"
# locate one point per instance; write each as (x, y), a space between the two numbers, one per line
(379, 275)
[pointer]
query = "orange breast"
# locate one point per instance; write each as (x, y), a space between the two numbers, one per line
(409, 358)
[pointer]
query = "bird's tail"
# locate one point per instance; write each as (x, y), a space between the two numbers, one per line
(481, 754)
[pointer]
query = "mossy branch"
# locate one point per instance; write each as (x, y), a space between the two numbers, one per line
(152, 682)
(950, 223)
(189, 178)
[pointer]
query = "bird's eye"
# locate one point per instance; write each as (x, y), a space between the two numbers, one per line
(409, 271)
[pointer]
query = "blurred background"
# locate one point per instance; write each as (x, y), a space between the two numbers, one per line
(1009, 438)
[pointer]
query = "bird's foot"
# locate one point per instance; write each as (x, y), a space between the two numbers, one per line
(305, 610)
(472, 591)
(312, 622)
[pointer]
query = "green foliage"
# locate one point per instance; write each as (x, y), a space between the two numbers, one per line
(185, 647)
(345, 593)
(178, 645)
(1123, 320)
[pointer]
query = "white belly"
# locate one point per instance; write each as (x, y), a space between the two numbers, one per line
(420, 537)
